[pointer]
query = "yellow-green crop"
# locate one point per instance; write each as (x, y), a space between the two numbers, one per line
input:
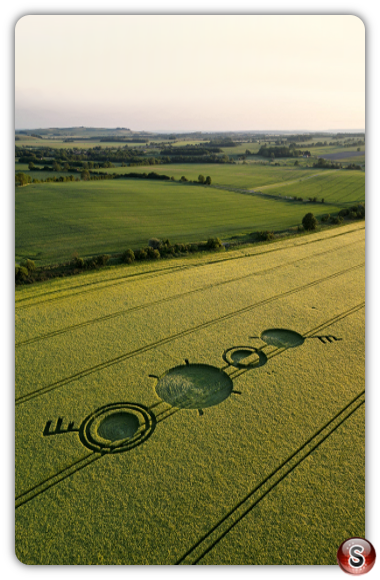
(207, 410)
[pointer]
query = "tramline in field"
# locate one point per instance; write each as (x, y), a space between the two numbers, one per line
(202, 418)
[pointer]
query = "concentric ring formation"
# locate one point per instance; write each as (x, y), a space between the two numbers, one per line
(117, 427)
(245, 357)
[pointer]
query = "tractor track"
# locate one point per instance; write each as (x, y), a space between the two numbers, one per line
(153, 273)
(181, 334)
(169, 299)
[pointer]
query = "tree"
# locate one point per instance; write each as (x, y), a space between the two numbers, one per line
(309, 222)
(201, 178)
(21, 273)
(154, 243)
(153, 254)
(141, 255)
(265, 236)
(31, 166)
(22, 179)
(213, 243)
(128, 256)
(208, 180)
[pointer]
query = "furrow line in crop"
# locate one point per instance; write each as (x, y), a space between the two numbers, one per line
(56, 478)
(132, 278)
(53, 480)
(333, 320)
(169, 299)
(162, 415)
(181, 334)
(115, 282)
(279, 350)
(209, 540)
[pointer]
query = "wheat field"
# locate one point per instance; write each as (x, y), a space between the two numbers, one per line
(208, 410)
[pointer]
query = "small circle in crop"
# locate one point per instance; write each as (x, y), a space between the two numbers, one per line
(356, 556)
(282, 338)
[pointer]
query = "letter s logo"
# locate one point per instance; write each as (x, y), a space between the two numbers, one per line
(356, 560)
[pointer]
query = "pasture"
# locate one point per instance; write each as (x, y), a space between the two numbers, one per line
(247, 176)
(55, 219)
(208, 410)
(339, 187)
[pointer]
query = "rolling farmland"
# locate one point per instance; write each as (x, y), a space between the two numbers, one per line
(53, 220)
(335, 187)
(192, 411)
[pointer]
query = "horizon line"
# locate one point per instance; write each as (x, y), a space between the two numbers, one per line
(356, 130)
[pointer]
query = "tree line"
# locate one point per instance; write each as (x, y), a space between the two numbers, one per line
(89, 158)
(189, 151)
(27, 272)
(86, 175)
(282, 151)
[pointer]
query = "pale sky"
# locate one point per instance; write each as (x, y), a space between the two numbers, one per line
(194, 73)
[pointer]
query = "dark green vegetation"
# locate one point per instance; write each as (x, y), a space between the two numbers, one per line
(79, 196)
(309, 221)
(54, 220)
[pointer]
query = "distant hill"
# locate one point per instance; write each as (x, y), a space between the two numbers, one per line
(77, 132)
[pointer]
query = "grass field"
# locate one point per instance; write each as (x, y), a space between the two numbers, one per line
(23, 168)
(55, 219)
(340, 187)
(260, 461)
(238, 175)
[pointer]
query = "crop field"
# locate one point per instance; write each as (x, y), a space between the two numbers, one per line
(207, 410)
(250, 175)
(337, 187)
(357, 157)
(35, 174)
(55, 219)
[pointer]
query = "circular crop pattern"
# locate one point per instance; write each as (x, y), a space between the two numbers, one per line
(194, 386)
(282, 338)
(244, 357)
(117, 427)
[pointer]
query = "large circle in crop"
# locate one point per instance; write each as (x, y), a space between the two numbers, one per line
(194, 386)
(117, 427)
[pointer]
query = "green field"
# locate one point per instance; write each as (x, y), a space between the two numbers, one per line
(207, 410)
(35, 174)
(254, 174)
(340, 187)
(53, 220)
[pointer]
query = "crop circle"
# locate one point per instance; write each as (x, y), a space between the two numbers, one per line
(117, 427)
(194, 386)
(245, 357)
(282, 338)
